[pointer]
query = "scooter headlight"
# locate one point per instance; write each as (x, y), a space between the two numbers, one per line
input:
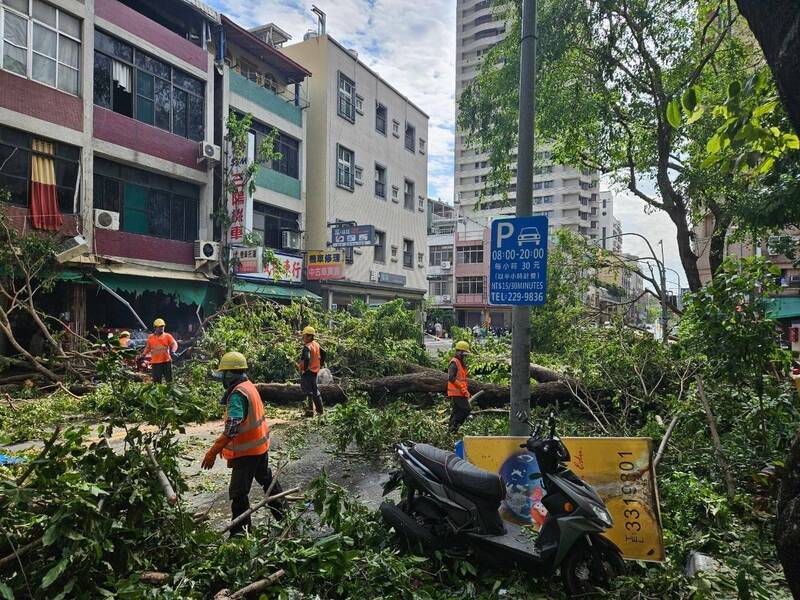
(602, 514)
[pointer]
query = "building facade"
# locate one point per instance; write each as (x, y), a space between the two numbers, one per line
(441, 254)
(367, 165)
(569, 197)
(610, 235)
(112, 121)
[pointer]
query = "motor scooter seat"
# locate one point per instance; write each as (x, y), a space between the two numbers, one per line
(459, 474)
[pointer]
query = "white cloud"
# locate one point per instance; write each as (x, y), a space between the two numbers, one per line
(410, 43)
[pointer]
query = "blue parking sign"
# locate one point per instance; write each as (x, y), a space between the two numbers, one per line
(518, 270)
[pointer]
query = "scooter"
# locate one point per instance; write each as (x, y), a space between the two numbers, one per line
(452, 506)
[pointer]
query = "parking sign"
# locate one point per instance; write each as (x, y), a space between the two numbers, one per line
(518, 271)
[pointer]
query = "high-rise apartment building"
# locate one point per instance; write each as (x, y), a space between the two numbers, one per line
(569, 197)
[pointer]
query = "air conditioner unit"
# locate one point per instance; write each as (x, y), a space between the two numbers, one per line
(206, 250)
(445, 297)
(106, 219)
(72, 248)
(208, 152)
(446, 265)
(291, 240)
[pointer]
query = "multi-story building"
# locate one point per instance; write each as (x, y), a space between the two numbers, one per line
(260, 81)
(111, 131)
(610, 235)
(440, 262)
(367, 165)
(569, 197)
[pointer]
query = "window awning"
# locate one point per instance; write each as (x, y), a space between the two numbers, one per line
(278, 292)
(184, 291)
(784, 308)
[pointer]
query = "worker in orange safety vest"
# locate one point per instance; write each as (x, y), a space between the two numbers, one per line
(312, 359)
(160, 346)
(245, 441)
(457, 390)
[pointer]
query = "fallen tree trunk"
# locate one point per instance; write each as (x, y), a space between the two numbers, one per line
(425, 381)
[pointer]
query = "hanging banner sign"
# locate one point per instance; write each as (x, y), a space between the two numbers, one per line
(351, 236)
(620, 469)
(247, 260)
(324, 264)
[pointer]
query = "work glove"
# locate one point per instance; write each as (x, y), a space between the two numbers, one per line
(211, 456)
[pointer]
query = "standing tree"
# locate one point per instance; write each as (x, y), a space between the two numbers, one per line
(608, 72)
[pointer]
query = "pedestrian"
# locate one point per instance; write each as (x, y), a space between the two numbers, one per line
(124, 339)
(312, 359)
(160, 346)
(245, 441)
(457, 390)
(438, 329)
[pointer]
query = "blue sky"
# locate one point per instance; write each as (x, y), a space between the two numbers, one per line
(411, 43)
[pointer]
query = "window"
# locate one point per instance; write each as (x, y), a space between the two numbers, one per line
(42, 43)
(359, 104)
(380, 118)
(270, 222)
(469, 285)
(408, 254)
(441, 287)
(408, 195)
(380, 181)
(543, 170)
(148, 203)
(379, 247)
(348, 256)
(421, 146)
(396, 128)
(359, 175)
(287, 146)
(395, 193)
(439, 254)
(346, 105)
(420, 259)
(137, 85)
(411, 134)
(546, 199)
(470, 255)
(17, 153)
(344, 167)
(394, 253)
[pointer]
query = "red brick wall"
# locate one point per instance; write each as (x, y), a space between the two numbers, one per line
(141, 26)
(20, 219)
(143, 247)
(36, 100)
(133, 134)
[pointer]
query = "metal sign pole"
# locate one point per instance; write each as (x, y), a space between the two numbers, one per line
(521, 314)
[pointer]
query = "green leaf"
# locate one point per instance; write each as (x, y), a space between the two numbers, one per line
(714, 144)
(696, 115)
(734, 89)
(765, 109)
(689, 99)
(6, 592)
(674, 113)
(54, 573)
(792, 141)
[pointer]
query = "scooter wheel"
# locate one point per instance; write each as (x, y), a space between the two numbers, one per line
(589, 570)
(408, 527)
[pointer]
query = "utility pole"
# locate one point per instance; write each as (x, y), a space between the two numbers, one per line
(521, 315)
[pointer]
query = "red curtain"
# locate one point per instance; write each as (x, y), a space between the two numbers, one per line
(45, 213)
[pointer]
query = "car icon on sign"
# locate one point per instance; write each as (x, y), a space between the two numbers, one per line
(529, 235)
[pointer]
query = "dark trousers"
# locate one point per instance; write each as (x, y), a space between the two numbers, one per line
(308, 383)
(459, 412)
(161, 371)
(244, 470)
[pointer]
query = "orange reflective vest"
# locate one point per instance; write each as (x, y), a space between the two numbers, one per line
(159, 346)
(459, 386)
(314, 360)
(253, 437)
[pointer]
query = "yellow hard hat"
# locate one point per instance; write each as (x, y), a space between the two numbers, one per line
(125, 334)
(309, 330)
(232, 361)
(159, 323)
(462, 346)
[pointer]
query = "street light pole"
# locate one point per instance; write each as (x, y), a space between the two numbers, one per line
(521, 315)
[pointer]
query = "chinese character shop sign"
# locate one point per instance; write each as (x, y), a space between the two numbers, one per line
(353, 236)
(247, 260)
(324, 264)
(518, 271)
(240, 203)
(292, 268)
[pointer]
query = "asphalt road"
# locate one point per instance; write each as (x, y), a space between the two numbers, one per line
(436, 346)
